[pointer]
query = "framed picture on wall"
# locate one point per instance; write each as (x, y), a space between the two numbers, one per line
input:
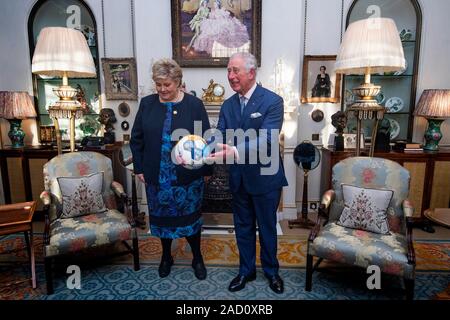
(120, 78)
(319, 81)
(205, 33)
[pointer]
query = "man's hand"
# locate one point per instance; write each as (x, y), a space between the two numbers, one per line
(225, 152)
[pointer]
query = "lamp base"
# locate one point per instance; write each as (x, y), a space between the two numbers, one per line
(16, 133)
(433, 135)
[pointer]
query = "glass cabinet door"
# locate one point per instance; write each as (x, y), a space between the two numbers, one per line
(398, 89)
(70, 14)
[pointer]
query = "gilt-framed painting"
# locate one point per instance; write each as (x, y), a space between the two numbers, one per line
(120, 78)
(320, 83)
(205, 33)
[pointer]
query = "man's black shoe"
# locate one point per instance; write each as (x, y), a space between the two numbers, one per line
(164, 267)
(239, 282)
(276, 284)
(199, 269)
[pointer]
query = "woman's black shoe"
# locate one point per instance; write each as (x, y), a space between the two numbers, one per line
(199, 269)
(164, 267)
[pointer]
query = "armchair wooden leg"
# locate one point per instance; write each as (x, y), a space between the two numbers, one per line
(409, 286)
(136, 254)
(48, 274)
(309, 272)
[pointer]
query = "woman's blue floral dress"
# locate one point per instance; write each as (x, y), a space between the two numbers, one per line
(167, 200)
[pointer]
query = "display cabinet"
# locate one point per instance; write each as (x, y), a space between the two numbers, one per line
(398, 90)
(71, 14)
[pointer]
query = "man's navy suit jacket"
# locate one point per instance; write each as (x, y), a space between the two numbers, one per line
(264, 110)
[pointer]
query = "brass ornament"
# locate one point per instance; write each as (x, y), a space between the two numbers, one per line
(214, 94)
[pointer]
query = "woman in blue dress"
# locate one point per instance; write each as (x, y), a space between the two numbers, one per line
(174, 193)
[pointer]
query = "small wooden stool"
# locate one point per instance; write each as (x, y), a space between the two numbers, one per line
(18, 217)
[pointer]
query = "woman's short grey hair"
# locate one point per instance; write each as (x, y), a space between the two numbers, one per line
(167, 69)
(249, 60)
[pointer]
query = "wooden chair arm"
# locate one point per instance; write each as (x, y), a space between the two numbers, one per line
(118, 189)
(408, 208)
(327, 198)
(324, 209)
(46, 200)
(408, 211)
(120, 192)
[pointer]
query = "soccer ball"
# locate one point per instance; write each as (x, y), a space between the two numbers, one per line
(190, 151)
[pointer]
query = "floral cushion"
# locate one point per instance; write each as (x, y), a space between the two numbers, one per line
(81, 195)
(73, 234)
(375, 173)
(365, 208)
(362, 248)
(77, 164)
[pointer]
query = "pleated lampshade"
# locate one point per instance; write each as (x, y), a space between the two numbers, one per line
(371, 43)
(62, 50)
(434, 103)
(16, 105)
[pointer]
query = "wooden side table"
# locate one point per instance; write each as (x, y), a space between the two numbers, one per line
(18, 217)
(439, 215)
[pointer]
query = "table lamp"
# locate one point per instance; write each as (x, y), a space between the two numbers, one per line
(369, 46)
(16, 106)
(63, 52)
(434, 105)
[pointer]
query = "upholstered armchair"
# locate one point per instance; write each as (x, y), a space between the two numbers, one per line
(80, 208)
(392, 251)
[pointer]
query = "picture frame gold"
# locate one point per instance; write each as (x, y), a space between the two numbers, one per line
(194, 47)
(325, 89)
(120, 78)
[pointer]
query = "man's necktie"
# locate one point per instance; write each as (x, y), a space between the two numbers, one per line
(243, 101)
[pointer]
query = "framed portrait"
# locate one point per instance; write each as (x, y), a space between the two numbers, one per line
(350, 140)
(120, 78)
(205, 33)
(320, 83)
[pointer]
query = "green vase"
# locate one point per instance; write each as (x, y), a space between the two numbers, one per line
(433, 135)
(16, 133)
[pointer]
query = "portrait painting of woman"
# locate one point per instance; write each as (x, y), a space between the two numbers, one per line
(208, 31)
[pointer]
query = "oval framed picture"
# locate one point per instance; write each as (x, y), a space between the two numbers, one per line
(124, 109)
(125, 125)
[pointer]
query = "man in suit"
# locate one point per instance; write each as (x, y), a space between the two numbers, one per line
(256, 192)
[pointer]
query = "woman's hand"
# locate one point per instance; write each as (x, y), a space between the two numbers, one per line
(141, 178)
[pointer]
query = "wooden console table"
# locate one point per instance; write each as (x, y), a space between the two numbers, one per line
(430, 177)
(22, 175)
(439, 215)
(18, 217)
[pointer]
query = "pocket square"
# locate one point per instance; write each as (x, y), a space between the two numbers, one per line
(255, 115)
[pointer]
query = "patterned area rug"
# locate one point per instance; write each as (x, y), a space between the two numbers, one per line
(115, 279)
(221, 250)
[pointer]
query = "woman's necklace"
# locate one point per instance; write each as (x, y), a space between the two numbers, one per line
(178, 98)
